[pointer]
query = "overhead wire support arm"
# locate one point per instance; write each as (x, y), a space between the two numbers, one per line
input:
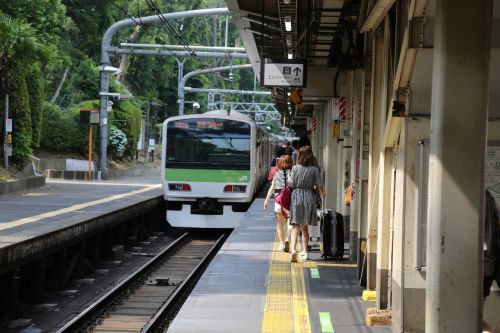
(189, 75)
(106, 50)
(179, 53)
(181, 47)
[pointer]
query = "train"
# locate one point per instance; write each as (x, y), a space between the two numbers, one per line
(213, 165)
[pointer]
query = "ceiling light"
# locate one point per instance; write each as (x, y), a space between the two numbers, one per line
(290, 55)
(288, 23)
(289, 40)
(286, 2)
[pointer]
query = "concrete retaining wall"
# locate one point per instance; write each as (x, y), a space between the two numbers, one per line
(22, 184)
(111, 174)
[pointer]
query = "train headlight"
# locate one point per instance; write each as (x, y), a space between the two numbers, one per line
(235, 188)
(179, 187)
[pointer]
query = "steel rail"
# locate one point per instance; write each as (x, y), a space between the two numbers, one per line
(94, 308)
(160, 314)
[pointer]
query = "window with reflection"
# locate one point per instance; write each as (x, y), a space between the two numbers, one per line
(208, 143)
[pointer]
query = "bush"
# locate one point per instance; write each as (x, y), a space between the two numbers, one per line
(117, 142)
(34, 82)
(61, 130)
(20, 111)
(128, 118)
(21, 151)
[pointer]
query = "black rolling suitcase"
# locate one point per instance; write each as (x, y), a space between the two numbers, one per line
(332, 229)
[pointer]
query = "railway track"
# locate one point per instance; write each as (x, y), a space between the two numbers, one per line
(142, 301)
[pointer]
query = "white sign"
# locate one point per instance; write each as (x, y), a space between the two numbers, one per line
(104, 121)
(283, 75)
(309, 124)
(335, 104)
(151, 142)
(8, 125)
(492, 177)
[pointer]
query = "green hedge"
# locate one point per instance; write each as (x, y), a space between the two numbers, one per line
(34, 81)
(127, 117)
(61, 130)
(20, 113)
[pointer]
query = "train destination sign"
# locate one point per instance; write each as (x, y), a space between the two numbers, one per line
(283, 74)
(201, 123)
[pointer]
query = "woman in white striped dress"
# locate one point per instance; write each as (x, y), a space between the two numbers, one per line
(306, 180)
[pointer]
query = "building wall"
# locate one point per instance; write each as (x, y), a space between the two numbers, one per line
(408, 283)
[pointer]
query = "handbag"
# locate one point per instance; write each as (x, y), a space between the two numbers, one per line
(271, 173)
(284, 197)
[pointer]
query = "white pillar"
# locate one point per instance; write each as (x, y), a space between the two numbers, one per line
(456, 174)
(376, 133)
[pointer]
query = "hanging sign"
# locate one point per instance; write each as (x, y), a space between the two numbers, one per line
(283, 74)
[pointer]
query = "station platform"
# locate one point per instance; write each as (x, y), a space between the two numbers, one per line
(250, 286)
(64, 210)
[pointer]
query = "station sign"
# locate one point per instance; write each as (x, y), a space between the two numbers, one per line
(283, 74)
(8, 125)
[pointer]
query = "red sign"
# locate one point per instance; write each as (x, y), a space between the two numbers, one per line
(342, 108)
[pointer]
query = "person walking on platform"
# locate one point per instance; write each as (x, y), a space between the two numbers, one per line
(281, 178)
(306, 179)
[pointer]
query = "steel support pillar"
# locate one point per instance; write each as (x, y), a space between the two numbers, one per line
(356, 129)
(462, 46)
(383, 239)
(58, 272)
(376, 131)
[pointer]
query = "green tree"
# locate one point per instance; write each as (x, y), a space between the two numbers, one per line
(34, 82)
(20, 109)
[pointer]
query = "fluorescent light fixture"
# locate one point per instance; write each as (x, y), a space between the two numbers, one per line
(286, 2)
(288, 23)
(290, 55)
(289, 40)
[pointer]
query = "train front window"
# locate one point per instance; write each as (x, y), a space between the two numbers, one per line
(208, 143)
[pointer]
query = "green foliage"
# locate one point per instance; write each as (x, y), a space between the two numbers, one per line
(46, 19)
(127, 117)
(21, 151)
(20, 113)
(117, 142)
(82, 84)
(61, 130)
(34, 82)
(65, 35)
(18, 37)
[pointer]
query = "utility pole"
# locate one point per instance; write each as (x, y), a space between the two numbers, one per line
(146, 136)
(6, 135)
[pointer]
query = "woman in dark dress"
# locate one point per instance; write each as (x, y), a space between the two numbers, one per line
(306, 180)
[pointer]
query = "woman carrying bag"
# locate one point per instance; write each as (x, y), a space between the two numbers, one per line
(281, 178)
(306, 179)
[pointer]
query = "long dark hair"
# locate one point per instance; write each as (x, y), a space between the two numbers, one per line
(305, 156)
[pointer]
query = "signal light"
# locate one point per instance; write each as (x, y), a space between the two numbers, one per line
(235, 188)
(179, 187)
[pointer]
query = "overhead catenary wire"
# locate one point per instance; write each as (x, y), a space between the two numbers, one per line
(161, 38)
(179, 38)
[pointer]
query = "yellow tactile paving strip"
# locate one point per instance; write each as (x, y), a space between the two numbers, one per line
(286, 309)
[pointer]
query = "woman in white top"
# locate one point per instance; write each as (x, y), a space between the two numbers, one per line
(281, 178)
